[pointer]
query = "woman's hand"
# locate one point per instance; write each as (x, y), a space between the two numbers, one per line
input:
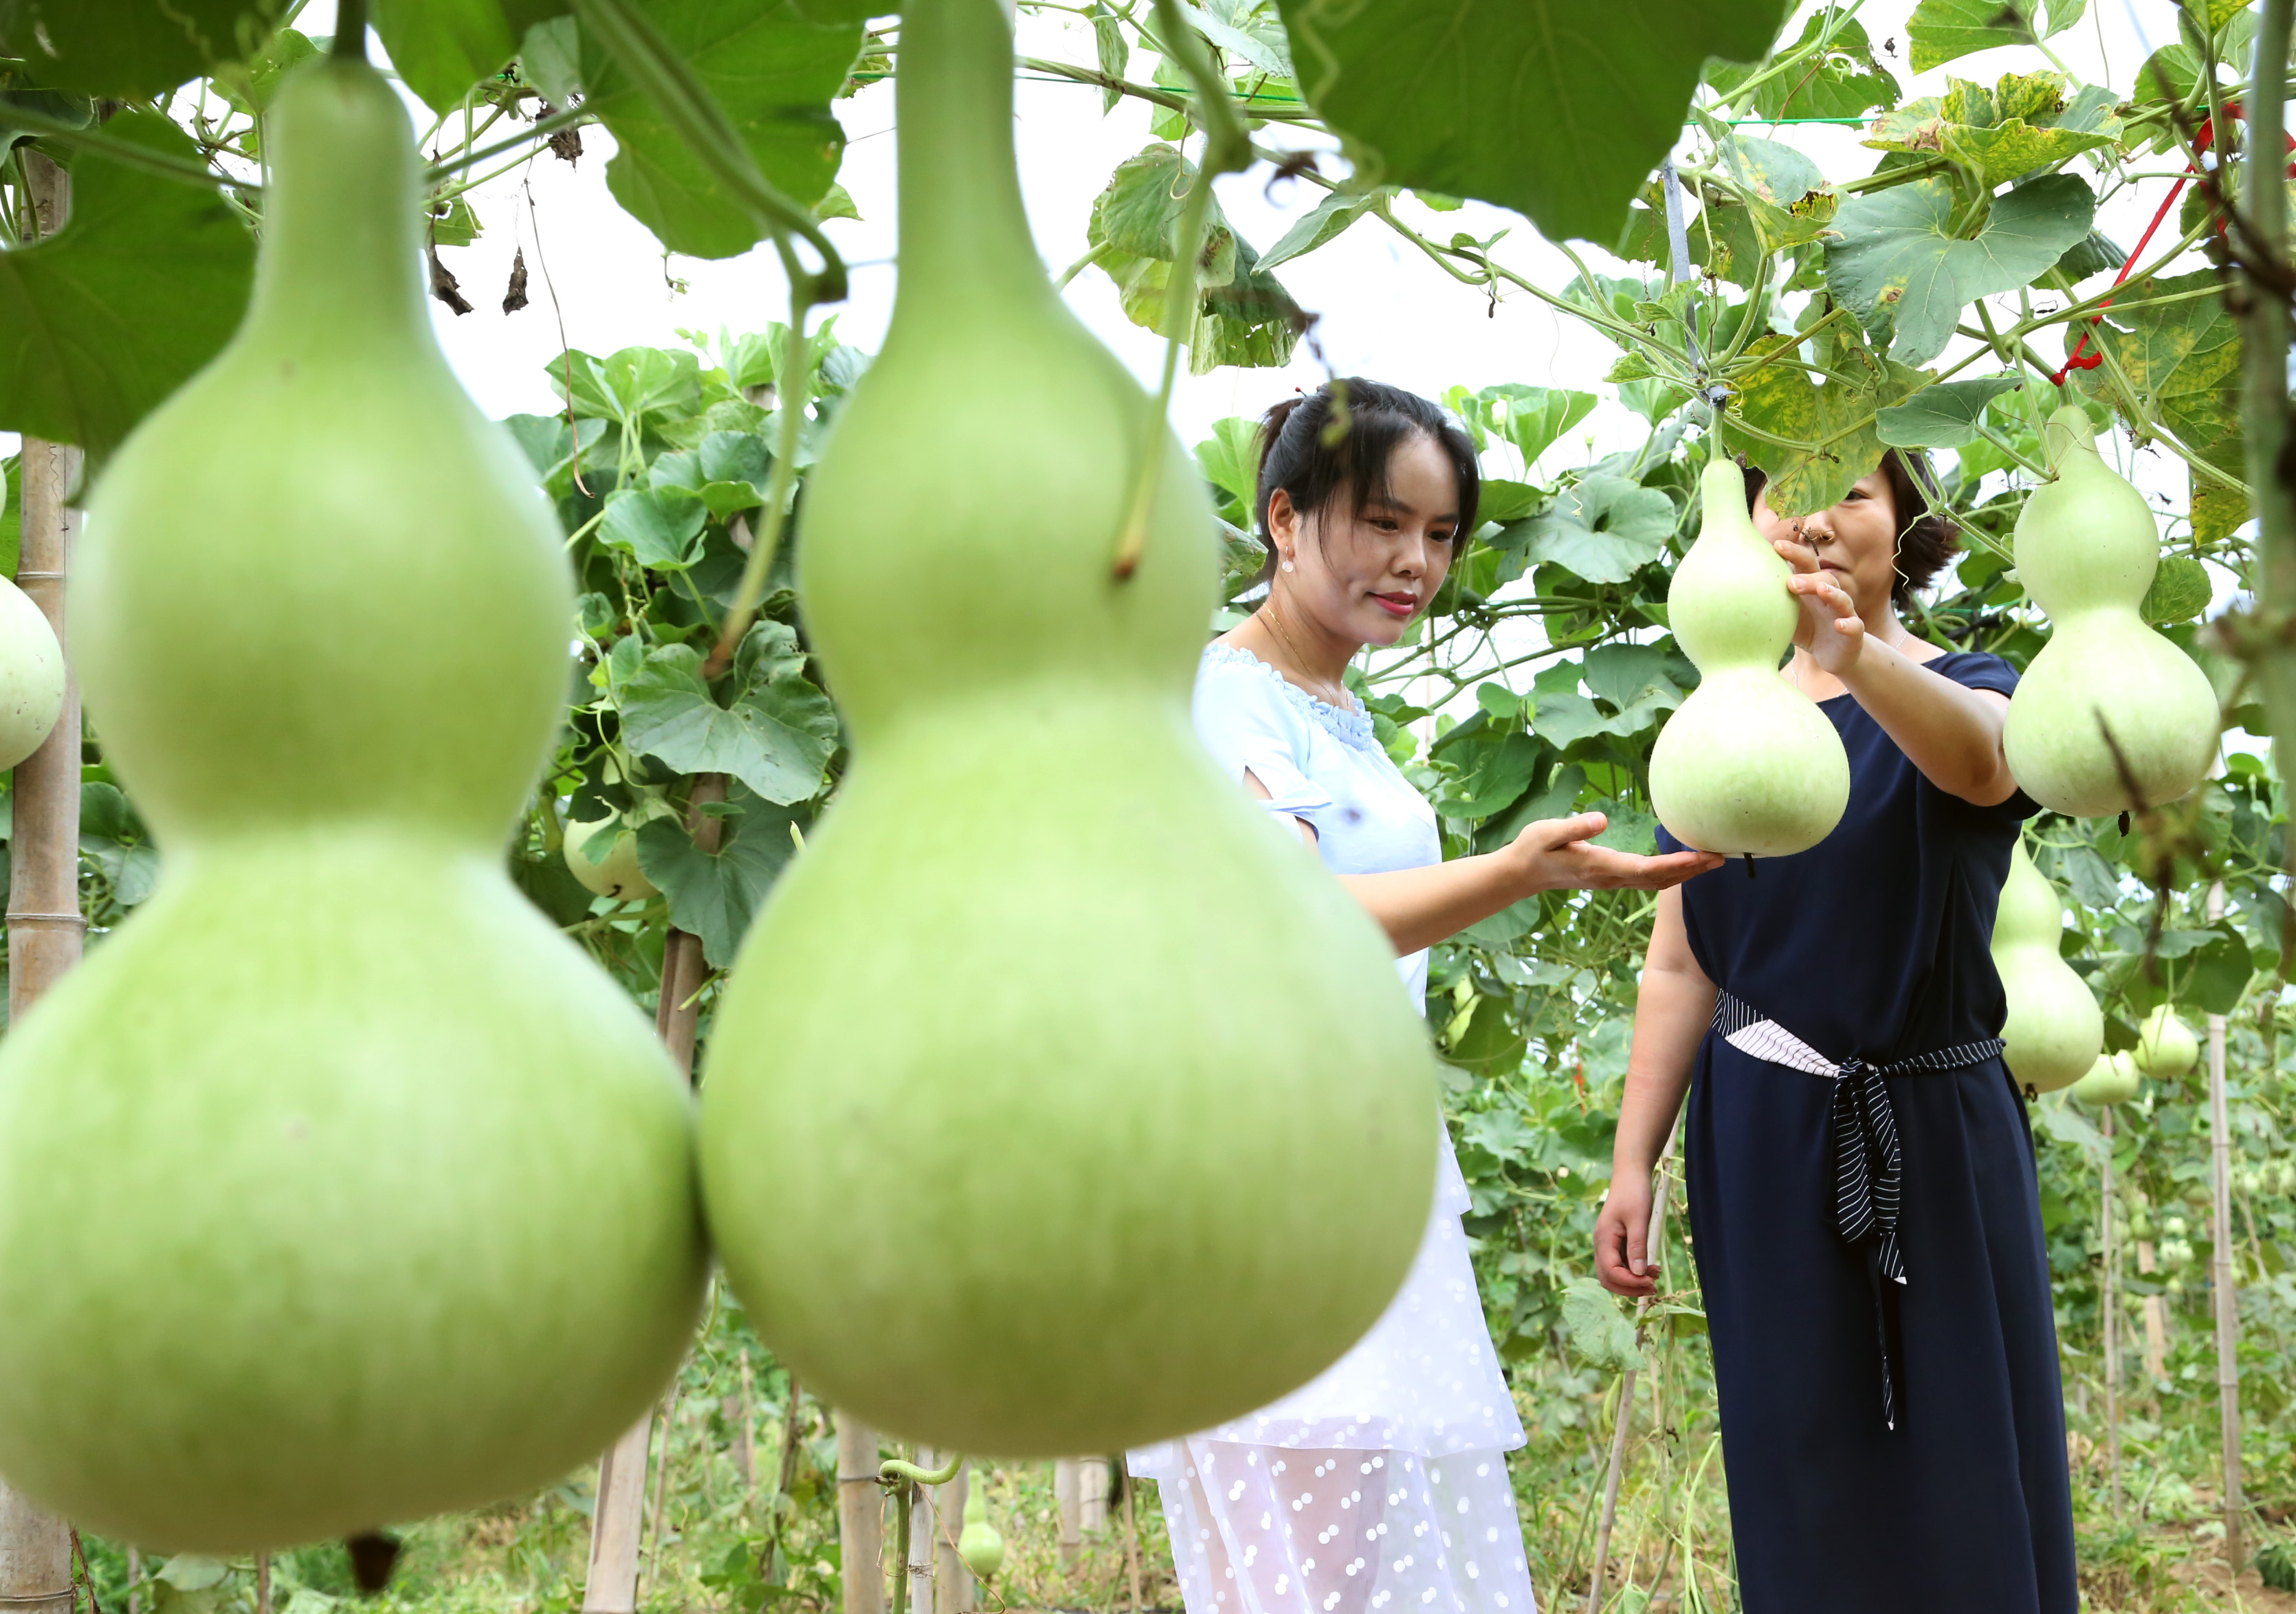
(1622, 1237)
(1558, 855)
(1830, 629)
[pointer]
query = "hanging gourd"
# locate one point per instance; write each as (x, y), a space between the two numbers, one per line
(979, 1544)
(337, 1187)
(2165, 1049)
(32, 674)
(2113, 1079)
(615, 873)
(2054, 1030)
(1060, 1100)
(2107, 693)
(1748, 764)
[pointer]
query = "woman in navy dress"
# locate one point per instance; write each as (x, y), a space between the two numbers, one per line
(1863, 1200)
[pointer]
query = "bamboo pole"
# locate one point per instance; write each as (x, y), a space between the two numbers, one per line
(1067, 1501)
(860, 1517)
(1132, 1538)
(919, 1567)
(2221, 1273)
(262, 1582)
(2111, 1321)
(745, 1449)
(45, 929)
(953, 1583)
(618, 1521)
(1625, 1416)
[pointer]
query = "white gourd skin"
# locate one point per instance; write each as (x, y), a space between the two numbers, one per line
(2113, 1079)
(2166, 1048)
(2087, 550)
(617, 874)
(31, 676)
(1748, 766)
(2054, 1030)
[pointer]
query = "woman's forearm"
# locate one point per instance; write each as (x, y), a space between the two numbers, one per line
(1950, 732)
(1419, 907)
(1671, 1019)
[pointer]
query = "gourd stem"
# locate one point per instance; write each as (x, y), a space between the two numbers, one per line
(893, 1468)
(351, 29)
(962, 226)
(793, 383)
(1227, 150)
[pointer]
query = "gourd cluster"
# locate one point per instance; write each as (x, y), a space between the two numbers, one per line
(1057, 1103)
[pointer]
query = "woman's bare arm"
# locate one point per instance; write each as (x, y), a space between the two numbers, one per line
(1672, 1014)
(1419, 907)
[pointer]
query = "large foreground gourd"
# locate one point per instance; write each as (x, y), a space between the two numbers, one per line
(31, 676)
(2054, 1030)
(1748, 764)
(337, 1187)
(2087, 550)
(1060, 1100)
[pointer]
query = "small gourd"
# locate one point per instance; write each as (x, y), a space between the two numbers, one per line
(1060, 1100)
(2113, 1079)
(31, 675)
(615, 874)
(2054, 1030)
(336, 1187)
(1748, 764)
(2165, 1049)
(979, 1544)
(2087, 550)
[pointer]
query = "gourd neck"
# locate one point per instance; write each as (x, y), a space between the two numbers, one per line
(340, 263)
(963, 228)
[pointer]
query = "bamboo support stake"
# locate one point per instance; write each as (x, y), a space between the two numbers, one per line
(45, 926)
(1092, 1494)
(2111, 1320)
(1627, 1388)
(1132, 1539)
(860, 1517)
(135, 1580)
(2221, 1273)
(619, 1518)
(2156, 1322)
(919, 1567)
(1067, 1501)
(661, 1474)
(953, 1587)
(745, 1449)
(262, 1582)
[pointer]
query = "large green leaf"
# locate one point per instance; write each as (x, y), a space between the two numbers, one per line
(773, 66)
(1898, 263)
(1555, 108)
(135, 48)
(2183, 357)
(143, 286)
(1942, 30)
(1943, 417)
(1843, 81)
(2024, 122)
(1782, 400)
(442, 47)
(1605, 529)
(715, 895)
(775, 736)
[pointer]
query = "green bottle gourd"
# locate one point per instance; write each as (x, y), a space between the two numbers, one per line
(2086, 549)
(980, 1544)
(2166, 1048)
(1060, 1100)
(2054, 1030)
(2113, 1079)
(1747, 764)
(31, 675)
(616, 873)
(337, 1187)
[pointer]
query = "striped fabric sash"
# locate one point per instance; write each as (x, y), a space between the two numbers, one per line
(1868, 1172)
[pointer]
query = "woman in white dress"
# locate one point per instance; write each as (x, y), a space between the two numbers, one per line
(1381, 1486)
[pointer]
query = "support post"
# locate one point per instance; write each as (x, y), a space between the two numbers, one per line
(1625, 1418)
(45, 927)
(2224, 1285)
(2111, 1321)
(1092, 1494)
(860, 1517)
(1067, 1501)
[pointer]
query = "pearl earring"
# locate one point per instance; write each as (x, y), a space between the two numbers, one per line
(1287, 566)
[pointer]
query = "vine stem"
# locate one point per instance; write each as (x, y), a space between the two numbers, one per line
(350, 30)
(1227, 150)
(795, 374)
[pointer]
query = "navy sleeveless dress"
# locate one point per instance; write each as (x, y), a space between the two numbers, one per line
(1874, 944)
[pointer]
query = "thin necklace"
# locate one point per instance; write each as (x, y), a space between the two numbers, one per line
(1275, 626)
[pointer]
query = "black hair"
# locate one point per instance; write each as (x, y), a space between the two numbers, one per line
(1344, 433)
(1925, 541)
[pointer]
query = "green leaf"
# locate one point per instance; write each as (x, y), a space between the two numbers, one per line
(636, 388)
(1845, 81)
(1898, 264)
(1941, 416)
(1944, 30)
(1242, 315)
(2218, 972)
(551, 886)
(113, 836)
(1838, 421)
(11, 516)
(2024, 122)
(141, 287)
(1501, 775)
(715, 895)
(2180, 591)
(1112, 49)
(661, 530)
(774, 69)
(1556, 109)
(1532, 418)
(1230, 461)
(776, 736)
(1629, 829)
(1605, 529)
(2185, 357)
(131, 48)
(442, 47)
(1329, 217)
(1599, 1332)
(1503, 501)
